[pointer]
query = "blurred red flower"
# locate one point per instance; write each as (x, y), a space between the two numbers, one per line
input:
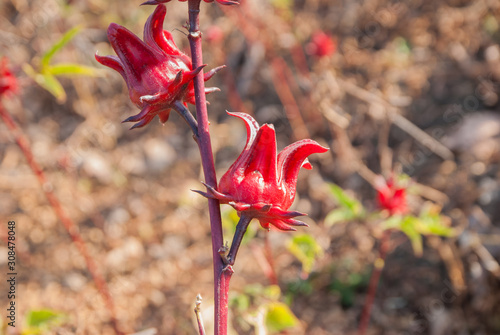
(158, 75)
(8, 83)
(260, 183)
(390, 196)
(321, 45)
(222, 2)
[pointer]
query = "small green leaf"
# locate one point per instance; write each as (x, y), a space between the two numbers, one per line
(350, 208)
(241, 302)
(282, 4)
(306, 249)
(339, 215)
(47, 81)
(39, 321)
(393, 222)
(272, 292)
(279, 317)
(344, 199)
(58, 46)
(408, 226)
(72, 69)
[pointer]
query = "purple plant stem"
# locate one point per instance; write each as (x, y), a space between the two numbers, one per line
(374, 280)
(222, 275)
(68, 224)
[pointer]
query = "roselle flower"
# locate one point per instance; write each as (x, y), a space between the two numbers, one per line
(261, 184)
(8, 83)
(391, 196)
(159, 76)
(321, 45)
(222, 2)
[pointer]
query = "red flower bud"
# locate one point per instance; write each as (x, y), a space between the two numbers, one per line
(8, 83)
(261, 184)
(390, 196)
(157, 73)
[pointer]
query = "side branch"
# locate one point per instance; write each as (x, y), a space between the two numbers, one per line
(188, 117)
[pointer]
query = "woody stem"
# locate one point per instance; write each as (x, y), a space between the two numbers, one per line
(241, 229)
(221, 275)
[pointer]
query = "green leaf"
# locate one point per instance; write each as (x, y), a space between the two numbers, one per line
(306, 249)
(39, 321)
(279, 317)
(350, 208)
(72, 69)
(272, 292)
(339, 215)
(408, 226)
(240, 302)
(393, 222)
(48, 82)
(58, 46)
(283, 4)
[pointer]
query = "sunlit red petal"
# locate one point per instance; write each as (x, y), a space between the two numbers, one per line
(263, 154)
(136, 56)
(112, 62)
(291, 159)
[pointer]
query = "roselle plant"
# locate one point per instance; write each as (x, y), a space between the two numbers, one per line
(259, 185)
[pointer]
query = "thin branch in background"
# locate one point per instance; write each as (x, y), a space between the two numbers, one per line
(67, 222)
(384, 152)
(404, 124)
(292, 110)
(197, 312)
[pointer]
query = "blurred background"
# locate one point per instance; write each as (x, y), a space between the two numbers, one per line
(407, 89)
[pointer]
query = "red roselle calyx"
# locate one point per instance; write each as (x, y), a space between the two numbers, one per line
(222, 2)
(8, 83)
(261, 184)
(321, 45)
(158, 75)
(391, 196)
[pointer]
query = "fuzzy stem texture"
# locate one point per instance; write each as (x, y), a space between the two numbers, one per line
(374, 281)
(222, 275)
(68, 224)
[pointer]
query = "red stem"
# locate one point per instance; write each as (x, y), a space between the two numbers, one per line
(70, 226)
(222, 275)
(374, 280)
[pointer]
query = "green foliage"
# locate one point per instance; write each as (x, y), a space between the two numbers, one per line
(306, 249)
(282, 4)
(45, 74)
(349, 208)
(40, 321)
(429, 222)
(279, 317)
(261, 307)
(402, 45)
